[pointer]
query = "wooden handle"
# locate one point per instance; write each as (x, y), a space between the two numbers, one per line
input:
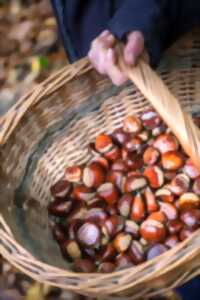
(164, 102)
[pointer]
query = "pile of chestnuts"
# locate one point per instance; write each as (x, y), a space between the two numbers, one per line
(138, 197)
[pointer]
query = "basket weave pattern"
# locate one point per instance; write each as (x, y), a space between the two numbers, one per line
(50, 129)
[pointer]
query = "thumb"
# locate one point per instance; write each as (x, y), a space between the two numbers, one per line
(134, 47)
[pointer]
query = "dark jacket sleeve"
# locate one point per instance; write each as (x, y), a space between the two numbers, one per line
(161, 21)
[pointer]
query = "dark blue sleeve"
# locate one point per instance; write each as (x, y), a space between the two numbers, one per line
(160, 21)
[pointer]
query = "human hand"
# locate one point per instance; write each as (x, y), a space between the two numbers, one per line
(103, 57)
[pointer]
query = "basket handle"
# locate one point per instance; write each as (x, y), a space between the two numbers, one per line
(166, 104)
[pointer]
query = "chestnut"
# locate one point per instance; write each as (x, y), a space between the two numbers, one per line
(159, 130)
(112, 226)
(136, 252)
(120, 137)
(134, 144)
(60, 208)
(186, 233)
(134, 161)
(169, 175)
(123, 261)
(153, 231)
(84, 265)
(166, 142)
(174, 227)
(150, 119)
(150, 199)
(124, 204)
(171, 241)
(71, 250)
(93, 150)
(72, 227)
(106, 267)
(97, 215)
(169, 210)
(122, 242)
(58, 233)
(180, 184)
(89, 235)
(117, 178)
(188, 200)
(158, 216)
(132, 228)
(151, 156)
(73, 174)
(78, 212)
(114, 154)
(134, 183)
(172, 160)
(144, 135)
(138, 210)
(119, 165)
(108, 192)
(102, 161)
(190, 170)
(83, 193)
(196, 186)
(107, 253)
(61, 189)
(103, 143)
(165, 195)
(155, 176)
(93, 175)
(132, 124)
(156, 250)
(190, 217)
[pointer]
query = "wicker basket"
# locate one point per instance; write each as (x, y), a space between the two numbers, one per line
(50, 128)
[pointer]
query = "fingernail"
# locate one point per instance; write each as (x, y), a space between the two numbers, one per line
(104, 33)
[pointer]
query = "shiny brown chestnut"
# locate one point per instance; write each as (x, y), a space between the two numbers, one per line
(153, 231)
(165, 194)
(134, 183)
(150, 119)
(136, 252)
(186, 233)
(58, 233)
(122, 242)
(108, 192)
(155, 176)
(107, 253)
(120, 137)
(112, 226)
(196, 186)
(107, 267)
(83, 193)
(97, 215)
(93, 175)
(132, 124)
(124, 204)
(180, 184)
(169, 210)
(89, 235)
(190, 170)
(166, 142)
(174, 227)
(159, 130)
(71, 250)
(78, 212)
(156, 250)
(84, 265)
(132, 228)
(114, 154)
(134, 161)
(60, 208)
(151, 156)
(134, 144)
(150, 199)
(138, 211)
(172, 160)
(123, 261)
(158, 216)
(61, 189)
(73, 174)
(188, 200)
(171, 241)
(119, 165)
(190, 217)
(117, 178)
(103, 143)
(102, 161)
